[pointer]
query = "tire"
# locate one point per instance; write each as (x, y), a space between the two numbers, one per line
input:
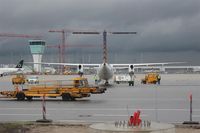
(66, 97)
(72, 98)
(29, 98)
(20, 96)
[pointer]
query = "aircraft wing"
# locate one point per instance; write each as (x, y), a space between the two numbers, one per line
(131, 67)
(144, 64)
(66, 64)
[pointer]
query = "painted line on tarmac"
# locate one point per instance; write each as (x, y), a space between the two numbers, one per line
(150, 99)
(196, 116)
(112, 115)
(22, 114)
(100, 109)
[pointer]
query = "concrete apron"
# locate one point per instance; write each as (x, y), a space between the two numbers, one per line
(154, 128)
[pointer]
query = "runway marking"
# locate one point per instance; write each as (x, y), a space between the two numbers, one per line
(196, 116)
(22, 114)
(111, 115)
(150, 99)
(100, 109)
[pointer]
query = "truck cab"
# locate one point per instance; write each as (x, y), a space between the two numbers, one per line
(80, 82)
(19, 79)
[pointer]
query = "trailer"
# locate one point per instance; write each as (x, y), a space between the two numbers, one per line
(69, 90)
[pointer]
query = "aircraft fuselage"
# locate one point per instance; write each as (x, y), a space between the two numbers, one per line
(105, 71)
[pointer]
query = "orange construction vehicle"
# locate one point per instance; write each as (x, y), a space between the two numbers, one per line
(19, 79)
(151, 78)
(69, 90)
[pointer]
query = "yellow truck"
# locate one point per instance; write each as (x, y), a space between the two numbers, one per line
(19, 79)
(151, 78)
(69, 90)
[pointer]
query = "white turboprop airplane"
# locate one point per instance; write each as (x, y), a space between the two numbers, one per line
(105, 70)
(6, 71)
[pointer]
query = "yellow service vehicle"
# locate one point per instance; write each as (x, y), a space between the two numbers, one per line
(69, 90)
(19, 79)
(150, 78)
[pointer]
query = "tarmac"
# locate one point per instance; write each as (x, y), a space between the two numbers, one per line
(165, 103)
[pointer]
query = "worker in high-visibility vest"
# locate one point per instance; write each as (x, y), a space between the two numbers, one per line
(159, 78)
(96, 79)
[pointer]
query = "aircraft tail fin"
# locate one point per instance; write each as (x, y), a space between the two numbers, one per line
(20, 64)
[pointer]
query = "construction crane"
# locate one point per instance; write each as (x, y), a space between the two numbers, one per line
(72, 46)
(20, 35)
(67, 46)
(63, 44)
(105, 52)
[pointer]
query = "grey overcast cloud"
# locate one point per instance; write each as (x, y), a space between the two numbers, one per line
(168, 30)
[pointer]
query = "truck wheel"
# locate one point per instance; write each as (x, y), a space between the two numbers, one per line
(72, 98)
(65, 96)
(29, 98)
(20, 96)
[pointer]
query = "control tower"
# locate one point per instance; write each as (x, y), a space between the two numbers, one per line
(37, 49)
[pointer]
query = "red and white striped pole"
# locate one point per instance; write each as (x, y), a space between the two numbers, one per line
(44, 107)
(190, 121)
(44, 119)
(190, 107)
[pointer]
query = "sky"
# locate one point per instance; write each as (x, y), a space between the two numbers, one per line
(167, 30)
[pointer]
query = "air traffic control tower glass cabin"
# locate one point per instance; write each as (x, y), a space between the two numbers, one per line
(37, 50)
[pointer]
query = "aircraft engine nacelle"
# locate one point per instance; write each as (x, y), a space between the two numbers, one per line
(80, 69)
(131, 69)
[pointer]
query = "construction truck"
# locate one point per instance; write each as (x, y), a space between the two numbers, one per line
(151, 78)
(69, 90)
(19, 79)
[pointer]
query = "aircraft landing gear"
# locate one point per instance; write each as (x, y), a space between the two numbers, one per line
(106, 83)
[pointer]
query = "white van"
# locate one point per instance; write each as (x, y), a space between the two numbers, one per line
(33, 80)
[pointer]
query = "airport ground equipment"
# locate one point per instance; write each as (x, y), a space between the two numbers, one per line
(33, 80)
(19, 79)
(124, 79)
(69, 90)
(150, 78)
